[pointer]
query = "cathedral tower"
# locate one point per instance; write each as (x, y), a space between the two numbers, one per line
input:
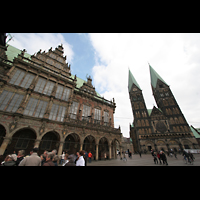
(167, 103)
(141, 124)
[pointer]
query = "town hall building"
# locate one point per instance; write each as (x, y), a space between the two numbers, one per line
(42, 104)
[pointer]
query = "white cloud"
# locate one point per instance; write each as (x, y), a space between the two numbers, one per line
(174, 56)
(33, 42)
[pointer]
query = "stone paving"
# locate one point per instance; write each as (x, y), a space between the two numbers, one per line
(145, 160)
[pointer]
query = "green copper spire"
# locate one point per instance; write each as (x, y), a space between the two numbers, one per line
(154, 77)
(131, 81)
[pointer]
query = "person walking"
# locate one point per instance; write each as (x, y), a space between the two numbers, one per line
(62, 158)
(163, 157)
(158, 156)
(155, 158)
(85, 157)
(32, 160)
(90, 157)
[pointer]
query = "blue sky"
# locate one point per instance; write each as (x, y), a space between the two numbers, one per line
(84, 59)
(107, 56)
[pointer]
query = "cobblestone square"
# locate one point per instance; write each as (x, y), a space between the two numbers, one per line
(145, 160)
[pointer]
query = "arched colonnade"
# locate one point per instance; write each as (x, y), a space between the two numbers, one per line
(26, 138)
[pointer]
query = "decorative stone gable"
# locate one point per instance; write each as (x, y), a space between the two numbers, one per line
(88, 87)
(53, 60)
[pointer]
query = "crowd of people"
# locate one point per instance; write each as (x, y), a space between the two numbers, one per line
(46, 159)
(80, 159)
(160, 155)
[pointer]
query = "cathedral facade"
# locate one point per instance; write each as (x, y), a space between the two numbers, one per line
(163, 127)
(42, 104)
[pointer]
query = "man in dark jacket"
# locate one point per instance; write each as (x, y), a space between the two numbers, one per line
(163, 157)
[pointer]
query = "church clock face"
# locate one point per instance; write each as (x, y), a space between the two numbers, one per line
(160, 126)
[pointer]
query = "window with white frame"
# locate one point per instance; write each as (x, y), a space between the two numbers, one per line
(86, 112)
(62, 93)
(18, 77)
(49, 87)
(6, 97)
(44, 86)
(27, 80)
(14, 104)
(35, 108)
(97, 116)
(40, 85)
(57, 112)
(73, 110)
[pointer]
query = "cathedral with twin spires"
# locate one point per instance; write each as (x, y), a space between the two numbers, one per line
(163, 127)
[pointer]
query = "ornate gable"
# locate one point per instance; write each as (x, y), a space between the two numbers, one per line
(53, 60)
(88, 87)
(156, 111)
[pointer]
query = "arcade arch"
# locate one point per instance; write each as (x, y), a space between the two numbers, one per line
(24, 139)
(72, 143)
(2, 134)
(103, 148)
(90, 145)
(49, 141)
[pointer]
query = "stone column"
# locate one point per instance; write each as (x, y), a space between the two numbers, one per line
(81, 146)
(97, 151)
(109, 151)
(121, 152)
(60, 148)
(4, 145)
(113, 151)
(37, 143)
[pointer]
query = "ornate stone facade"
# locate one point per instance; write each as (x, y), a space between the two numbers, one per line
(42, 104)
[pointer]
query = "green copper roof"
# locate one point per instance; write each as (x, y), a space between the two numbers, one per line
(154, 77)
(80, 82)
(13, 52)
(131, 81)
(196, 134)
